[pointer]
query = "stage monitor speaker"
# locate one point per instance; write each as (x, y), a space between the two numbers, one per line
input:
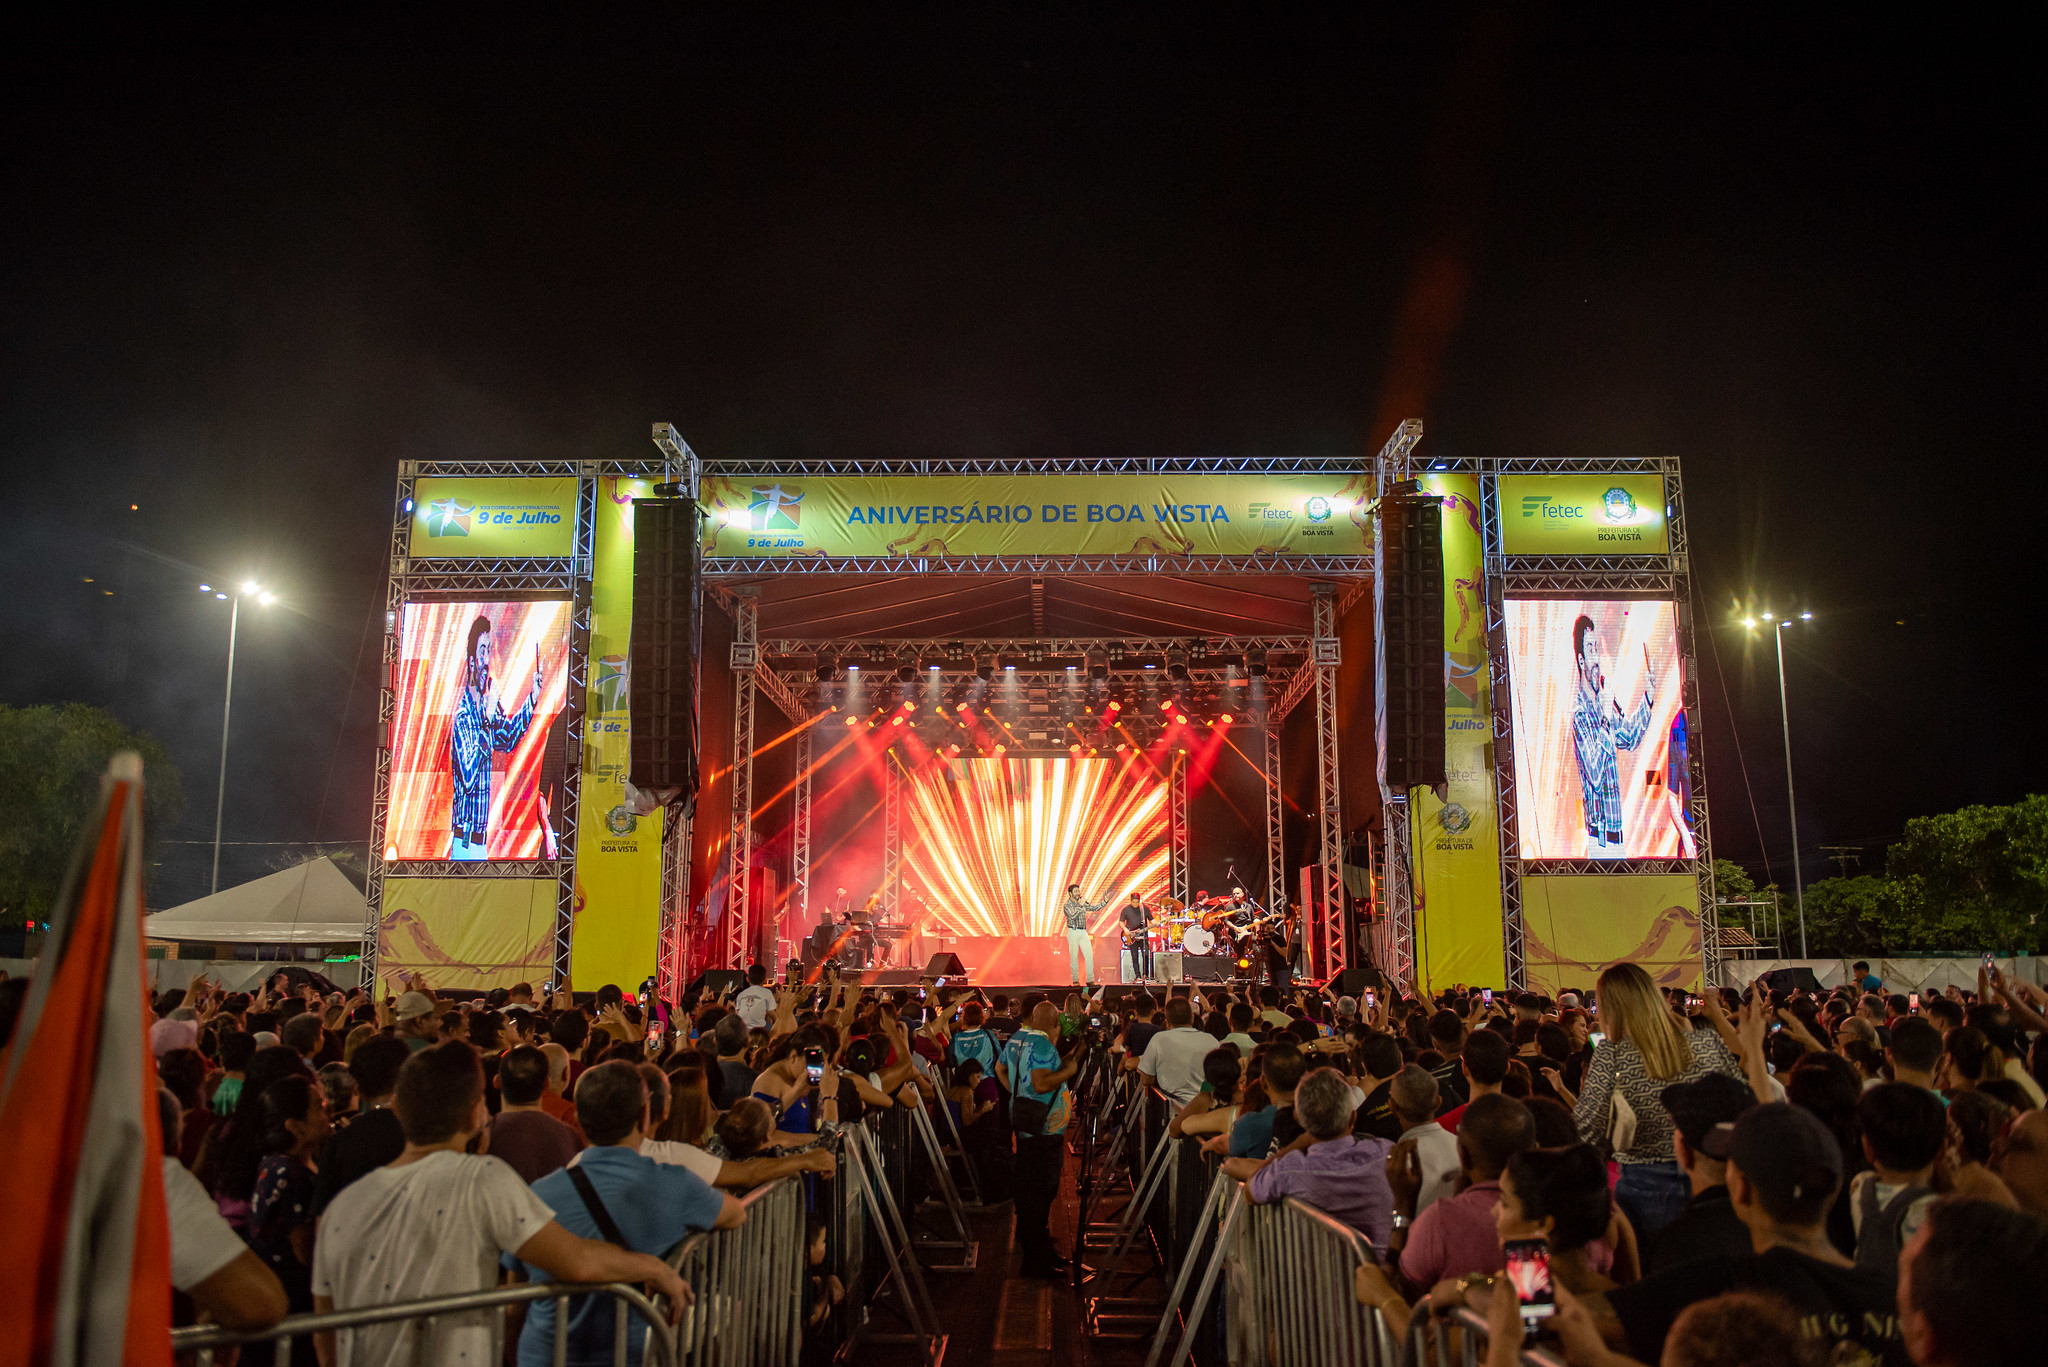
(1353, 982)
(1206, 968)
(717, 979)
(1410, 634)
(662, 654)
(947, 966)
(890, 977)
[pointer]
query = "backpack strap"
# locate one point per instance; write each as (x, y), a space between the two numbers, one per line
(591, 1201)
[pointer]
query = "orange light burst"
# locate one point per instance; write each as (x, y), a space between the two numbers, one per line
(996, 841)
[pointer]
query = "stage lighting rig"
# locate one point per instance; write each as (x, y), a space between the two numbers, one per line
(906, 670)
(827, 671)
(1098, 664)
(1177, 662)
(1255, 663)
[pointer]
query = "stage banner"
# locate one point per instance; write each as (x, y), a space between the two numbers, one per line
(952, 515)
(1582, 515)
(618, 854)
(1457, 838)
(1575, 925)
(466, 933)
(493, 519)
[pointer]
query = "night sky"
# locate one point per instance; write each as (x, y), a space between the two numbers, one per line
(249, 263)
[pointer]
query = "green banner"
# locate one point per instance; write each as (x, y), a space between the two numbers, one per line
(493, 519)
(1582, 515)
(959, 515)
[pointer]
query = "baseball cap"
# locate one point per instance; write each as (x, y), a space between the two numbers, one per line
(1786, 1154)
(1705, 1111)
(413, 1005)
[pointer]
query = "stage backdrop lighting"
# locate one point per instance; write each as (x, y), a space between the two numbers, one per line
(992, 844)
(1600, 738)
(505, 755)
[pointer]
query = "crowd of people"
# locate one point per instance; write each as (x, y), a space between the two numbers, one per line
(1763, 1177)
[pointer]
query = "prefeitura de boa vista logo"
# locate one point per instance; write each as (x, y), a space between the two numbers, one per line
(1619, 506)
(1318, 509)
(774, 509)
(1456, 820)
(446, 517)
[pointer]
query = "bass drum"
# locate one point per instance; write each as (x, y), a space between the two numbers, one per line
(1198, 940)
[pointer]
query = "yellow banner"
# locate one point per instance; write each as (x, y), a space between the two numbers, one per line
(618, 854)
(1582, 515)
(958, 515)
(1574, 925)
(493, 519)
(1457, 841)
(467, 933)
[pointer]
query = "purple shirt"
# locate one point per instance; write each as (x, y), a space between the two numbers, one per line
(1454, 1236)
(1345, 1178)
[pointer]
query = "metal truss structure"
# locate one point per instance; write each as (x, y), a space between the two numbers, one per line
(892, 836)
(1649, 577)
(1276, 847)
(735, 566)
(1177, 829)
(1394, 938)
(800, 849)
(1336, 956)
(411, 579)
(733, 467)
(736, 927)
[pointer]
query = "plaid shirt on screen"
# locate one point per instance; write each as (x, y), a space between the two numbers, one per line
(476, 736)
(1596, 736)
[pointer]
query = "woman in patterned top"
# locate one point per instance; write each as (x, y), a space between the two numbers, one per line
(294, 1111)
(1648, 1047)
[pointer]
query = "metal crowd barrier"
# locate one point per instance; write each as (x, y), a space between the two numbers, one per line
(1430, 1341)
(1289, 1272)
(202, 1340)
(751, 1284)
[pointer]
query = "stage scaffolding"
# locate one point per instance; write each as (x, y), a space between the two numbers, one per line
(1665, 576)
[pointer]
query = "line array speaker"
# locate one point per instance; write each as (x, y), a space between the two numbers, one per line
(1410, 638)
(662, 660)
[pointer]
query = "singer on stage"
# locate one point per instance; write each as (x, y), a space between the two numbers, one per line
(481, 730)
(1077, 910)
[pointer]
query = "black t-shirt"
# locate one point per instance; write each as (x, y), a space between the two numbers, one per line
(1286, 1128)
(1376, 1114)
(1453, 1090)
(1133, 915)
(1708, 1227)
(1002, 1027)
(1539, 1085)
(369, 1141)
(1137, 1035)
(736, 1080)
(1837, 1306)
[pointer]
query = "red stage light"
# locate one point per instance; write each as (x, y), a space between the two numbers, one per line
(1001, 748)
(963, 707)
(910, 707)
(1115, 706)
(895, 721)
(1075, 747)
(1225, 719)
(1180, 718)
(853, 721)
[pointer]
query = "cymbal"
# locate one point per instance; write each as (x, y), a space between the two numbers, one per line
(1171, 904)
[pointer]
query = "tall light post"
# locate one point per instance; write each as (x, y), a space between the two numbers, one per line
(1778, 626)
(249, 589)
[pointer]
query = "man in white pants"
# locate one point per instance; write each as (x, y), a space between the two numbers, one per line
(1080, 945)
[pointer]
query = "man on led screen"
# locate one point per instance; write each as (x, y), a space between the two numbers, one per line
(1599, 730)
(481, 730)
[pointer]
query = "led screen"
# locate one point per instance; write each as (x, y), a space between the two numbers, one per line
(991, 844)
(477, 742)
(1600, 740)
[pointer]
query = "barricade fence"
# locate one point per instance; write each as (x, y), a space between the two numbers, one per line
(754, 1291)
(422, 1319)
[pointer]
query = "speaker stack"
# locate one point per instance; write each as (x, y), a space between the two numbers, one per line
(1410, 640)
(662, 673)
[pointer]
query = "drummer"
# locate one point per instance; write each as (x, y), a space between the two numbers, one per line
(1137, 923)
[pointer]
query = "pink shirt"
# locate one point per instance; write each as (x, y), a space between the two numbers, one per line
(1454, 1236)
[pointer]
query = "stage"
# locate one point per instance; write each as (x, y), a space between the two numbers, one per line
(1010, 963)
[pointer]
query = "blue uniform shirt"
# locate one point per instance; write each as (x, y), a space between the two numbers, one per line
(655, 1205)
(1027, 1050)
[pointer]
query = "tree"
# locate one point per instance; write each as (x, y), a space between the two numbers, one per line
(51, 761)
(1977, 878)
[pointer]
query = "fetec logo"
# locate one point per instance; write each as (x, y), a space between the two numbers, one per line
(1534, 505)
(1318, 509)
(774, 509)
(446, 517)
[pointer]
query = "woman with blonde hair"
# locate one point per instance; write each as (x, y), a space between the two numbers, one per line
(1648, 1047)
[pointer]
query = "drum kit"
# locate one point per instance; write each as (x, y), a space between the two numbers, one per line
(1202, 927)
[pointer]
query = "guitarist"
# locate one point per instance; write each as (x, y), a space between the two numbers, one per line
(1137, 929)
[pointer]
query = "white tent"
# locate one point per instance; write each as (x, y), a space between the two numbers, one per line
(313, 904)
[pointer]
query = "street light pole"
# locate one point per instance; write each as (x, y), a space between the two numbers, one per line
(1791, 799)
(220, 796)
